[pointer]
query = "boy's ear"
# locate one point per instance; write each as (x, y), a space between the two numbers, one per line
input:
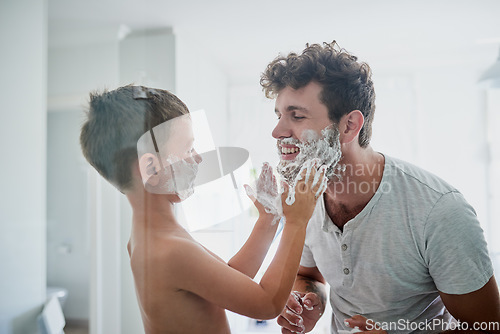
(350, 126)
(149, 166)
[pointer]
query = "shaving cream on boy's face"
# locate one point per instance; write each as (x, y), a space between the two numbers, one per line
(176, 177)
(167, 159)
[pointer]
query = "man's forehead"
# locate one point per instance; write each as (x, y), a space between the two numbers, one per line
(303, 97)
(291, 102)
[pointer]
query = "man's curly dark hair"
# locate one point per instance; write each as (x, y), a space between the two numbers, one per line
(347, 83)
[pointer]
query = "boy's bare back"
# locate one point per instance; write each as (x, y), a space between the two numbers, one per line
(156, 256)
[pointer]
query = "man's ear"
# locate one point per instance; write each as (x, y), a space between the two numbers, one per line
(350, 125)
(149, 166)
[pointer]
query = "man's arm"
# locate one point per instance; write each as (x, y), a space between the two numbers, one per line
(478, 311)
(457, 256)
(478, 308)
(306, 303)
(310, 280)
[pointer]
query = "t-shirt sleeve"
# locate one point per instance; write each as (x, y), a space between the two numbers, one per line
(307, 259)
(455, 248)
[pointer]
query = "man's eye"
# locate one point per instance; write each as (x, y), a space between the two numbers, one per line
(298, 117)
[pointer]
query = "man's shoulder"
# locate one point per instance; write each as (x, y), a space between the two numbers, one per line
(405, 174)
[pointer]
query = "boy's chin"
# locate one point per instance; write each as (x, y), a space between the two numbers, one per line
(172, 197)
(182, 196)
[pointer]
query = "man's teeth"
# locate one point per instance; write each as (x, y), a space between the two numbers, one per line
(287, 150)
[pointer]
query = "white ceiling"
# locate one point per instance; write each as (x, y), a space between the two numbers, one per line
(242, 37)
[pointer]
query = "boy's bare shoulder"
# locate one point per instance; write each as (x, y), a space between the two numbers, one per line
(166, 250)
(180, 247)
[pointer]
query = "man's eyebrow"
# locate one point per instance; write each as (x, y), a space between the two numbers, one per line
(293, 108)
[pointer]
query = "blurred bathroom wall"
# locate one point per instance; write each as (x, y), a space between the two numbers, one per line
(23, 36)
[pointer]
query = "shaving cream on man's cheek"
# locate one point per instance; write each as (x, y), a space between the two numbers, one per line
(325, 149)
(315, 151)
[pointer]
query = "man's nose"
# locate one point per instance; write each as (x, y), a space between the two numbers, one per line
(282, 129)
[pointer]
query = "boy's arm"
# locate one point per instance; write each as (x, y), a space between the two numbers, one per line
(194, 269)
(200, 273)
(251, 255)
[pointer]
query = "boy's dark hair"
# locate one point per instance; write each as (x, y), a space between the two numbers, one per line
(346, 83)
(115, 122)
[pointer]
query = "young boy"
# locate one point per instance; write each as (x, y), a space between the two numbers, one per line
(181, 286)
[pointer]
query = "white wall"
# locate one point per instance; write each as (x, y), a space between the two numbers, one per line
(493, 106)
(23, 26)
(201, 84)
(434, 117)
(74, 69)
(148, 58)
(251, 121)
(68, 239)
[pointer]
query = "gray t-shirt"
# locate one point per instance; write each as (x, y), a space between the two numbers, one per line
(417, 235)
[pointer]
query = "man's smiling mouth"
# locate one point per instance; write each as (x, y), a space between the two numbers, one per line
(289, 149)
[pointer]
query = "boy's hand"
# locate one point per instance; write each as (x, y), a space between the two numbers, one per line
(260, 208)
(307, 190)
(265, 194)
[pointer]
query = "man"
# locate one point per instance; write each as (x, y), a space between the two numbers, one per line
(399, 247)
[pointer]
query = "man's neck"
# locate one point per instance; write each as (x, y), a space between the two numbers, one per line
(346, 198)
